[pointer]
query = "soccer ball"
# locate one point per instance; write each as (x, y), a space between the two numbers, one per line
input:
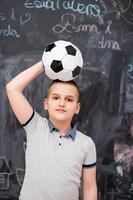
(62, 60)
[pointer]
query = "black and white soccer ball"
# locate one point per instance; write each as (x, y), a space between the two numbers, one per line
(62, 60)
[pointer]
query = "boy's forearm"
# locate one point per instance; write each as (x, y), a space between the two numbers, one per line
(90, 195)
(22, 80)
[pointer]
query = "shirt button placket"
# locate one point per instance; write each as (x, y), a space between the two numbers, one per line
(60, 140)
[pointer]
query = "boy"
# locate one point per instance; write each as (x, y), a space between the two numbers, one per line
(57, 154)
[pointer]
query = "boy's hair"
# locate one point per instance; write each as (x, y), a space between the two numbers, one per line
(71, 82)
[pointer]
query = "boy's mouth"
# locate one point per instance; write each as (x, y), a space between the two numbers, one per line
(60, 110)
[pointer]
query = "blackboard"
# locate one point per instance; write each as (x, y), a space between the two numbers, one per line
(103, 30)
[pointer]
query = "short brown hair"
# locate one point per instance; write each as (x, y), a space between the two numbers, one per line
(71, 82)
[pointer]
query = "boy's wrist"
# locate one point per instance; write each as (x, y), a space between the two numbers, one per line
(39, 67)
(43, 65)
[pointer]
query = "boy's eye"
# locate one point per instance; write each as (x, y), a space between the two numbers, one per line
(55, 97)
(70, 100)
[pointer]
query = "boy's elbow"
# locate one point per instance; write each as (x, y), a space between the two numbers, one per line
(9, 87)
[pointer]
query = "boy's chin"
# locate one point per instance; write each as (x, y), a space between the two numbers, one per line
(61, 118)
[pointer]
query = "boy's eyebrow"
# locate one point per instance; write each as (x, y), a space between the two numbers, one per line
(69, 95)
(54, 94)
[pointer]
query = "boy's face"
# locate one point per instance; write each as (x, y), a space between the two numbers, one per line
(62, 102)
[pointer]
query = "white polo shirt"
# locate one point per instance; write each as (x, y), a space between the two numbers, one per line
(54, 162)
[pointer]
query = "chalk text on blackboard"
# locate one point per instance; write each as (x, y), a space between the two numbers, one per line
(91, 10)
(108, 27)
(47, 4)
(68, 25)
(23, 17)
(9, 32)
(110, 44)
(130, 71)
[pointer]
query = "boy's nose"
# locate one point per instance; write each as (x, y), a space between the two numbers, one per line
(62, 102)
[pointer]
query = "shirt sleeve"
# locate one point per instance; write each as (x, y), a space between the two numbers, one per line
(90, 159)
(32, 124)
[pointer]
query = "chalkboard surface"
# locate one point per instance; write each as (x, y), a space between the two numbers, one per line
(103, 30)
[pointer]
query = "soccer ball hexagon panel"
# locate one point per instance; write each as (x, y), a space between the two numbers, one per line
(62, 60)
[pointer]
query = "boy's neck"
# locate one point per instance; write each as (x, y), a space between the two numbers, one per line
(63, 127)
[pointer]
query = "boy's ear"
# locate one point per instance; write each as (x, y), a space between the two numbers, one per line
(45, 104)
(78, 108)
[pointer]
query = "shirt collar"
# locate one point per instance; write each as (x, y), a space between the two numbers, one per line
(71, 133)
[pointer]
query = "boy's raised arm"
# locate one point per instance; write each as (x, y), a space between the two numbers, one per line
(20, 105)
